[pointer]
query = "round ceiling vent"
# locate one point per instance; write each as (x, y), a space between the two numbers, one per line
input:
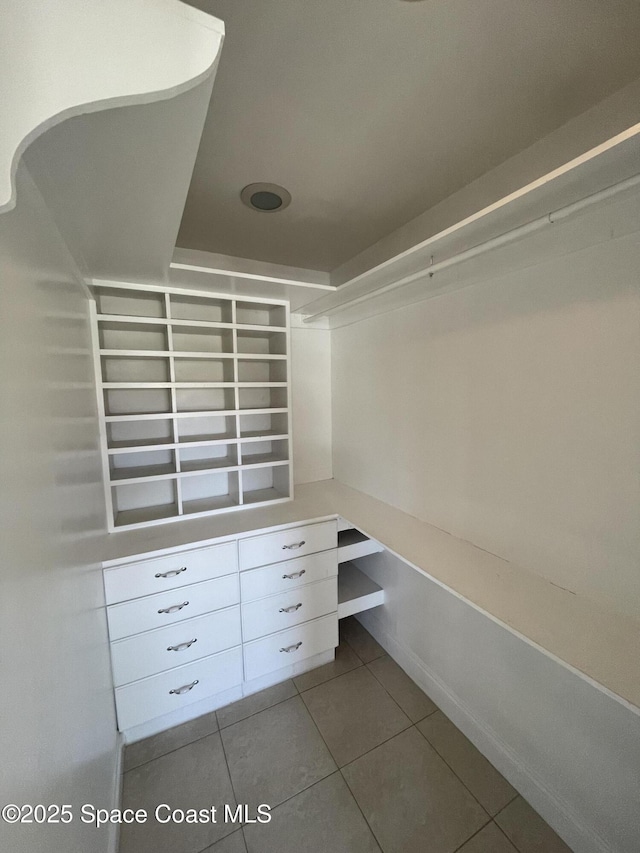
(266, 197)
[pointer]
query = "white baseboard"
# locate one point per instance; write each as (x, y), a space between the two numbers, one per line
(579, 837)
(116, 796)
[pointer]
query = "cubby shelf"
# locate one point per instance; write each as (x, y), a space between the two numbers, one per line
(356, 591)
(353, 543)
(185, 380)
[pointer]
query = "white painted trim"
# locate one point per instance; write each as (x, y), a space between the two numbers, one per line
(553, 809)
(225, 265)
(181, 291)
(116, 798)
(82, 41)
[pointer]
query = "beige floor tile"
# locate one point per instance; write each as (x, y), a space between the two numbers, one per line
(413, 802)
(345, 660)
(360, 640)
(275, 754)
(192, 777)
(164, 742)
(489, 840)
(527, 830)
(323, 819)
(354, 714)
(244, 708)
(481, 778)
(413, 701)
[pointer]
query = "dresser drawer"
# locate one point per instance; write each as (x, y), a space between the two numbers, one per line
(150, 612)
(294, 542)
(286, 647)
(278, 612)
(282, 577)
(165, 573)
(154, 651)
(160, 694)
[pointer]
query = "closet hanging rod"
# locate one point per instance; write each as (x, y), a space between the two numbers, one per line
(493, 243)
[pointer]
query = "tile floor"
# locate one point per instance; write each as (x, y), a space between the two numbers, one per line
(352, 757)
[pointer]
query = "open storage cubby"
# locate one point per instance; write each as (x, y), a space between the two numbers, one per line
(193, 392)
(259, 342)
(261, 314)
(265, 484)
(206, 429)
(262, 397)
(195, 308)
(130, 303)
(264, 452)
(262, 425)
(266, 369)
(204, 370)
(356, 590)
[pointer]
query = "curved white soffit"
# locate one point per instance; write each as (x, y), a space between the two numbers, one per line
(62, 58)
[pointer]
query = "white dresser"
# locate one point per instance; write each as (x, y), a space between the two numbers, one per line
(191, 625)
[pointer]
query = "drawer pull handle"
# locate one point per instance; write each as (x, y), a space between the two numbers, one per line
(291, 609)
(294, 575)
(173, 609)
(172, 573)
(293, 546)
(178, 691)
(293, 648)
(182, 646)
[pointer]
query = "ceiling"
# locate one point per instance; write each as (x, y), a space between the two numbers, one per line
(371, 111)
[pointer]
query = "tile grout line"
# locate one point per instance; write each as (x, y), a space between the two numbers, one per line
(386, 689)
(477, 832)
(462, 782)
(233, 789)
(359, 665)
(306, 788)
(501, 830)
(170, 751)
(364, 817)
(508, 804)
(436, 709)
(266, 708)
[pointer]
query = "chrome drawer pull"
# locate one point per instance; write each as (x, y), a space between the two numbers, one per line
(182, 646)
(173, 609)
(294, 575)
(172, 573)
(291, 609)
(293, 648)
(293, 546)
(184, 689)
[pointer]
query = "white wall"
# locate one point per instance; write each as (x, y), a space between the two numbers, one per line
(58, 723)
(508, 413)
(311, 401)
(570, 749)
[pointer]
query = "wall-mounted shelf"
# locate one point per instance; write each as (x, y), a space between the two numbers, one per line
(464, 232)
(356, 591)
(193, 391)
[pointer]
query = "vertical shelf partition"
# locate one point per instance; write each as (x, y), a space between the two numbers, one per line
(194, 399)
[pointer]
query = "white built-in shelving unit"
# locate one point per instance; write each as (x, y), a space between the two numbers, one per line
(193, 393)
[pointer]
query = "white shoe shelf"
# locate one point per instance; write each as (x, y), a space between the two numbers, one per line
(357, 592)
(193, 393)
